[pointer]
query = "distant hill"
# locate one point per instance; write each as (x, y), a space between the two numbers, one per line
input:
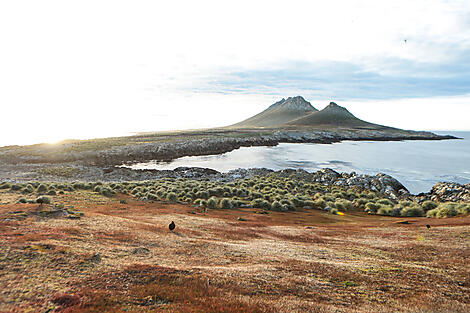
(332, 115)
(279, 113)
(297, 112)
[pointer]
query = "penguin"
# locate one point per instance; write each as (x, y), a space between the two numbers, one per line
(172, 226)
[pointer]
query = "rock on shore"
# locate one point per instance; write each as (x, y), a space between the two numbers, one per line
(448, 191)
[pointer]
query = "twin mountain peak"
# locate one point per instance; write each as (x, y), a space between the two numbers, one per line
(296, 111)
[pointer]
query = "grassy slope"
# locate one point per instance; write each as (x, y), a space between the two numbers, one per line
(301, 261)
(335, 116)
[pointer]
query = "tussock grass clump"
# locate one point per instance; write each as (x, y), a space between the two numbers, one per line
(319, 204)
(202, 194)
(429, 205)
(212, 203)
(43, 199)
(288, 205)
(277, 206)
(372, 207)
(28, 189)
(385, 202)
(172, 197)
(405, 203)
(107, 192)
(5, 185)
(412, 211)
(343, 205)
(225, 203)
(15, 187)
(449, 209)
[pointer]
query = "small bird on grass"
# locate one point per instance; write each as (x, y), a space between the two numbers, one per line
(428, 226)
(172, 226)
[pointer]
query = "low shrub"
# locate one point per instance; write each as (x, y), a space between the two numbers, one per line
(212, 203)
(372, 207)
(15, 187)
(265, 205)
(343, 205)
(225, 203)
(42, 188)
(22, 200)
(5, 185)
(288, 205)
(43, 199)
(429, 205)
(257, 203)
(385, 210)
(447, 209)
(152, 196)
(277, 206)
(28, 189)
(465, 209)
(319, 203)
(236, 203)
(405, 203)
(414, 211)
(339, 206)
(385, 202)
(172, 197)
(432, 213)
(360, 202)
(202, 194)
(107, 192)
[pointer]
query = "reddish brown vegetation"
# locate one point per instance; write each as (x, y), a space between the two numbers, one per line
(123, 258)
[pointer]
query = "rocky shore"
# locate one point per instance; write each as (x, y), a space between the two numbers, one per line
(383, 183)
(102, 160)
(166, 148)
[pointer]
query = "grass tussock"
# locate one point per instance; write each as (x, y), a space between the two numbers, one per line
(274, 192)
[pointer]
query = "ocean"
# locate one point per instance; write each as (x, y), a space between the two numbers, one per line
(416, 164)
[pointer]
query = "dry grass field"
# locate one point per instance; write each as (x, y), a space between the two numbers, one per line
(121, 257)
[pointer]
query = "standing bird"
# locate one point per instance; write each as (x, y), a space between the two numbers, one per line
(428, 226)
(172, 226)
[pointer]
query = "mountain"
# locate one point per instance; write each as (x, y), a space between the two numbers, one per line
(279, 113)
(332, 115)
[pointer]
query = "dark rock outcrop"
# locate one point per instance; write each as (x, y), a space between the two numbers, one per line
(448, 191)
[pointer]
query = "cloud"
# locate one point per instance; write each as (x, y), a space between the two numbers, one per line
(387, 78)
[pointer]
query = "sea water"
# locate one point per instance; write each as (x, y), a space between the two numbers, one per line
(417, 164)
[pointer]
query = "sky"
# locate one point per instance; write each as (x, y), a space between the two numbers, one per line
(84, 69)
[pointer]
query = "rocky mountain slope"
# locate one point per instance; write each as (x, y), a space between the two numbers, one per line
(279, 113)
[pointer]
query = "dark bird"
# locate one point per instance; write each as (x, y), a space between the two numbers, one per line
(172, 226)
(405, 40)
(428, 226)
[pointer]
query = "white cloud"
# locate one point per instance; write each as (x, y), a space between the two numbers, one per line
(99, 60)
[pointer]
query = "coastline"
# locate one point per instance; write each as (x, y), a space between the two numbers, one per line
(169, 146)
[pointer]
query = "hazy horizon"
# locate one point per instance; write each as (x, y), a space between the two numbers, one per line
(106, 68)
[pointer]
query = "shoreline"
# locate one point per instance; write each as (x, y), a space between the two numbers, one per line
(167, 147)
(380, 182)
(106, 159)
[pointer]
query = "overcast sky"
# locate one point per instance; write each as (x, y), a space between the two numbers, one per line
(99, 68)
